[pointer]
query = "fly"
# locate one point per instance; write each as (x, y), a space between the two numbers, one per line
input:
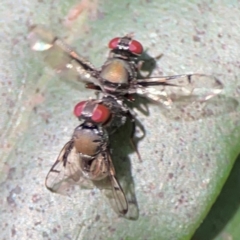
(118, 74)
(87, 157)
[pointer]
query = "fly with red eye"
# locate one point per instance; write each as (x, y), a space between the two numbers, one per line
(86, 157)
(118, 75)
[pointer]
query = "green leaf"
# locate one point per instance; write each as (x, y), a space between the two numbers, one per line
(185, 163)
(222, 222)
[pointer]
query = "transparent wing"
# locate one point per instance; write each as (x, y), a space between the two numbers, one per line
(66, 172)
(128, 188)
(198, 87)
(193, 110)
(116, 195)
(60, 56)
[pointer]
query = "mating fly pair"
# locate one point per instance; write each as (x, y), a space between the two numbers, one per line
(87, 154)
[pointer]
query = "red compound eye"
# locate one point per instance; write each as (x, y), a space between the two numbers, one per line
(78, 109)
(126, 43)
(101, 114)
(135, 47)
(113, 43)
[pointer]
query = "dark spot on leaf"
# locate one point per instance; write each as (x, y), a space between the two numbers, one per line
(97, 218)
(14, 191)
(161, 195)
(11, 173)
(37, 223)
(45, 234)
(35, 198)
(196, 38)
(13, 231)
(170, 175)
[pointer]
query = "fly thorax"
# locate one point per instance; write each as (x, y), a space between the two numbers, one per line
(87, 141)
(116, 71)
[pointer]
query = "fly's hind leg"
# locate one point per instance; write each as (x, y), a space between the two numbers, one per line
(135, 122)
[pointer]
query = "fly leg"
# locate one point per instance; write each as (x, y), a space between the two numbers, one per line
(146, 64)
(132, 142)
(94, 87)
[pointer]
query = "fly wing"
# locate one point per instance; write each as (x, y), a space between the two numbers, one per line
(199, 87)
(60, 56)
(66, 172)
(120, 204)
(116, 195)
(190, 110)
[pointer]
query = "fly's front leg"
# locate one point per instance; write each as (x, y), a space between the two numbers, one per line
(94, 87)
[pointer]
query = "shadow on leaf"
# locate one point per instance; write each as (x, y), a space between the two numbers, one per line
(121, 148)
